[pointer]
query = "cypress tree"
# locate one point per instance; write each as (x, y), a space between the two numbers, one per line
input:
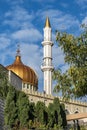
(23, 109)
(10, 108)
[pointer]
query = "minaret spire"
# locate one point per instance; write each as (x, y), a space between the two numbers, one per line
(47, 66)
(47, 23)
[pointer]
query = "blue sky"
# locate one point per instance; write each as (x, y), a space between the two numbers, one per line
(22, 22)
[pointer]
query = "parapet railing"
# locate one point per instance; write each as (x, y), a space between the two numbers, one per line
(44, 95)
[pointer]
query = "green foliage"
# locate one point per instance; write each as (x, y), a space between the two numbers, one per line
(30, 124)
(55, 118)
(75, 50)
(32, 111)
(16, 109)
(64, 84)
(83, 127)
(63, 115)
(23, 108)
(10, 108)
(21, 114)
(56, 107)
(50, 116)
(40, 111)
(4, 85)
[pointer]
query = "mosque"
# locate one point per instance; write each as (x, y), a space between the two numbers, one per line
(24, 78)
(27, 74)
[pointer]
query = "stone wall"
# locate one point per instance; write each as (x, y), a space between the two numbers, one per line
(72, 106)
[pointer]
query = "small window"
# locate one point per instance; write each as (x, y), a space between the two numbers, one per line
(24, 85)
(30, 87)
(27, 86)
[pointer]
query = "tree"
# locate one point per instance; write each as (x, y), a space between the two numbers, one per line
(23, 109)
(64, 84)
(31, 111)
(4, 85)
(16, 109)
(54, 114)
(63, 115)
(40, 113)
(50, 115)
(57, 114)
(10, 108)
(75, 50)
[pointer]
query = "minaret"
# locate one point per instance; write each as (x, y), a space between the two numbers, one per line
(47, 66)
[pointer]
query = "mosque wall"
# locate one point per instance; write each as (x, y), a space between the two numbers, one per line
(72, 106)
(15, 80)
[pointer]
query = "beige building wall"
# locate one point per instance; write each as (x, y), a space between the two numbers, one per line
(72, 106)
(15, 80)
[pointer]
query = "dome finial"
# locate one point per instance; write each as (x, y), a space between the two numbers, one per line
(18, 50)
(47, 23)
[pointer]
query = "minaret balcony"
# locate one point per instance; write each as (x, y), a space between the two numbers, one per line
(45, 66)
(46, 42)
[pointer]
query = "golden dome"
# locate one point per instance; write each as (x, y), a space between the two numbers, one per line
(24, 72)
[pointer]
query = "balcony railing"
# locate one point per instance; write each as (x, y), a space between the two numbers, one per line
(47, 64)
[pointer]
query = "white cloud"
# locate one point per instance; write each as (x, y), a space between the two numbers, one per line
(32, 55)
(31, 35)
(64, 5)
(49, 1)
(65, 22)
(60, 20)
(18, 18)
(82, 3)
(58, 57)
(84, 21)
(4, 42)
(15, 2)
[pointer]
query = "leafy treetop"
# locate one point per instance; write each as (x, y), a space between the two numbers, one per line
(74, 80)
